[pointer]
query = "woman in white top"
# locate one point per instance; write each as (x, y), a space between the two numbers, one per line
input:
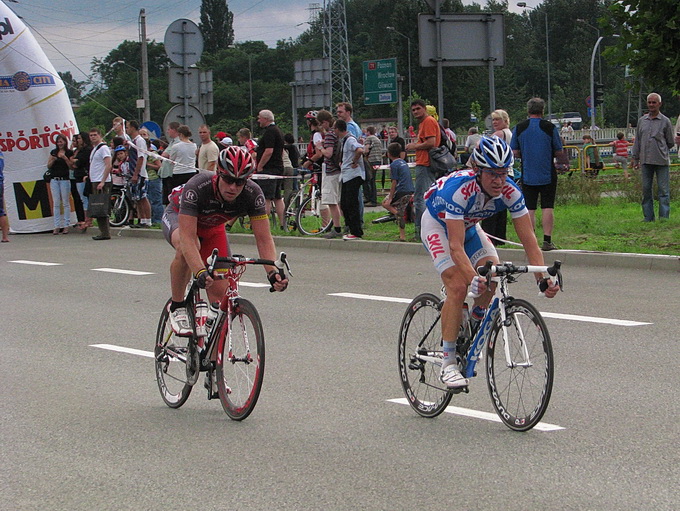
(497, 224)
(183, 153)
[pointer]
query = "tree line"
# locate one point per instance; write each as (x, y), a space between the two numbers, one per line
(573, 28)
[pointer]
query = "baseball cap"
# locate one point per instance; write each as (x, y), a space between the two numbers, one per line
(220, 135)
(226, 141)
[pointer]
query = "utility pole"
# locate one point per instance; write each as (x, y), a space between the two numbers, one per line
(145, 66)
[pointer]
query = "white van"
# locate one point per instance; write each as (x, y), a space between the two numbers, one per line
(573, 117)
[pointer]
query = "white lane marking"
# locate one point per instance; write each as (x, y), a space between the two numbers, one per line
(593, 319)
(476, 414)
(121, 349)
(124, 272)
(554, 315)
(36, 263)
(372, 297)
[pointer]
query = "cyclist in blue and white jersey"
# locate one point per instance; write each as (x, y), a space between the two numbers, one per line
(451, 232)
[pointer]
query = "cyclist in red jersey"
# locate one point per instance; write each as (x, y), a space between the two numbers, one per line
(193, 223)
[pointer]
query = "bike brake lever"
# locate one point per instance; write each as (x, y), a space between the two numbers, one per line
(282, 262)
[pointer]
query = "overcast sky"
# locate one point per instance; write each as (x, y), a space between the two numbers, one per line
(72, 32)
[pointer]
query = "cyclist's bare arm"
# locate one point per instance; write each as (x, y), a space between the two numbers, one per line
(525, 232)
(189, 246)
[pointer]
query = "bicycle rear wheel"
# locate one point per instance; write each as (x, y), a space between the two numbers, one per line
(520, 391)
(119, 210)
(171, 354)
(309, 220)
(240, 371)
(420, 348)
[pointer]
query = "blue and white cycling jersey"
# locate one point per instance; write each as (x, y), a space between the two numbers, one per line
(458, 196)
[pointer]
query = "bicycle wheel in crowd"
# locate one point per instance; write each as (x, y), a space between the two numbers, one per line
(520, 391)
(309, 220)
(420, 347)
(119, 210)
(171, 354)
(240, 370)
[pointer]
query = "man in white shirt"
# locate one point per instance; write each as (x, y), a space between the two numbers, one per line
(100, 176)
(138, 151)
(208, 152)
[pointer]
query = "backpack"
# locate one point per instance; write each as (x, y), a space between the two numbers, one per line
(445, 141)
(336, 157)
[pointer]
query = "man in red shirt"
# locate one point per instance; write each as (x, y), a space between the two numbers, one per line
(428, 138)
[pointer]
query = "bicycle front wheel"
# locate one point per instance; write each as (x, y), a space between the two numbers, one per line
(171, 354)
(309, 219)
(520, 386)
(120, 210)
(240, 361)
(420, 356)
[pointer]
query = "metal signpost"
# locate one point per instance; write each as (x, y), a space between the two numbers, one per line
(184, 45)
(473, 39)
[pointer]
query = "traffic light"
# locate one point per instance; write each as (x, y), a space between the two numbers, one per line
(599, 94)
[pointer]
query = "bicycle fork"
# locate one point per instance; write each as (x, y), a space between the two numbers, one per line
(505, 323)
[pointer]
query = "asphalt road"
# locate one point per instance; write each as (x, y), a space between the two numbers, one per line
(85, 428)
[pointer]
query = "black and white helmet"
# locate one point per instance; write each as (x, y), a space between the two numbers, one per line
(492, 153)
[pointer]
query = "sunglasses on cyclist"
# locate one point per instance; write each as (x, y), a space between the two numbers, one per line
(238, 181)
(496, 174)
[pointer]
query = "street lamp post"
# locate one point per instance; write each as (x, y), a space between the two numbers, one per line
(136, 71)
(599, 57)
(250, 80)
(593, 103)
(547, 56)
(593, 106)
(410, 89)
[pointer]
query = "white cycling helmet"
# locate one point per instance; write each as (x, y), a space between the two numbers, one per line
(492, 153)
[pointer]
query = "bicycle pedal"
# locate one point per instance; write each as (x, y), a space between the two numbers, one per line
(459, 390)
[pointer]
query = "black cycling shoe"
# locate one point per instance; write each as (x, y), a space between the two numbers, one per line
(211, 385)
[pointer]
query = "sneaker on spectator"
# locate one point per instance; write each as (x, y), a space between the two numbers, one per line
(452, 377)
(332, 234)
(349, 237)
(548, 246)
(179, 321)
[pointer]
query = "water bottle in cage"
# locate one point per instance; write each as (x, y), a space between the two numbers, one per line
(212, 316)
(201, 318)
(476, 318)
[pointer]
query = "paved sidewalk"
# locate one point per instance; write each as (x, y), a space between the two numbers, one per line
(568, 257)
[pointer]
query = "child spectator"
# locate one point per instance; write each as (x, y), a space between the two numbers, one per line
(120, 171)
(591, 157)
(402, 189)
(621, 152)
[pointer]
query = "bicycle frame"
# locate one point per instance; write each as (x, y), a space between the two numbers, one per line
(479, 342)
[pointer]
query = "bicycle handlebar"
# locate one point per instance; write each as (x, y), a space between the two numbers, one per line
(508, 268)
(238, 260)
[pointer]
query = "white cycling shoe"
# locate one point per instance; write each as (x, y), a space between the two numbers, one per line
(452, 377)
(179, 321)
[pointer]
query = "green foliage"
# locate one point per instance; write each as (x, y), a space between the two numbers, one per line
(523, 76)
(650, 39)
(75, 88)
(216, 25)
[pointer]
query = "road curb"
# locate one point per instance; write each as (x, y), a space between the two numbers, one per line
(568, 257)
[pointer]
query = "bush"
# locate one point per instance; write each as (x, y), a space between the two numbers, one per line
(578, 188)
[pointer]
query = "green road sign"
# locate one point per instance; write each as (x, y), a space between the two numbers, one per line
(380, 81)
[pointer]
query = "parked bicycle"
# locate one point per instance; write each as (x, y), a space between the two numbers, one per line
(304, 209)
(227, 342)
(122, 205)
(306, 205)
(519, 358)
